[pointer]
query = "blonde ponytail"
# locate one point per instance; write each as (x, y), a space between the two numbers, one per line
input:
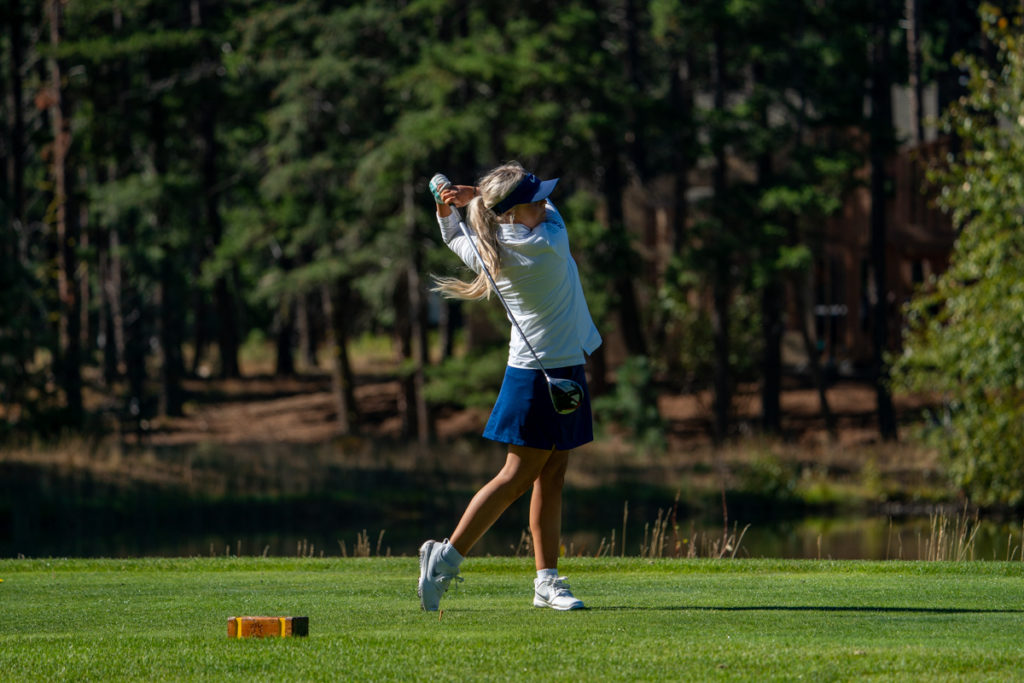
(483, 222)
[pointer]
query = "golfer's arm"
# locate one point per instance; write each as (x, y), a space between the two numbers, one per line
(464, 250)
(449, 224)
(456, 241)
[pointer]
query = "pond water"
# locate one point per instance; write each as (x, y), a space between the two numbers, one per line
(333, 511)
(862, 539)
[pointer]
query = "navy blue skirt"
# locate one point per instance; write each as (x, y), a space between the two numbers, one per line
(523, 414)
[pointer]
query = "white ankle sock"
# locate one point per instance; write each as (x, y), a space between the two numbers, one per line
(547, 573)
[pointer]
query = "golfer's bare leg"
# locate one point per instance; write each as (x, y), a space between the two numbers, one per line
(546, 510)
(522, 467)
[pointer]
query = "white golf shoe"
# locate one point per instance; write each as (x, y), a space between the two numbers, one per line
(435, 575)
(554, 593)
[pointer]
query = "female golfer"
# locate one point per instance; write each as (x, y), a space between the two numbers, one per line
(522, 240)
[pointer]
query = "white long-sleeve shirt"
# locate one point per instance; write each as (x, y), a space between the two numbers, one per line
(541, 284)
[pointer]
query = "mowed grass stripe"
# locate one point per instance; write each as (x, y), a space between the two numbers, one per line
(165, 619)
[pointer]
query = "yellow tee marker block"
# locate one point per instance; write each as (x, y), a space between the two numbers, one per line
(263, 627)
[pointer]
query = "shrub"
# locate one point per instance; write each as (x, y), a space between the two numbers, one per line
(965, 329)
(633, 405)
(470, 381)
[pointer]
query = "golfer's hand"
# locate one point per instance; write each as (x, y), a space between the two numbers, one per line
(459, 195)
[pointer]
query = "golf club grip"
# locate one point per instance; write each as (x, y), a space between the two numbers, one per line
(438, 184)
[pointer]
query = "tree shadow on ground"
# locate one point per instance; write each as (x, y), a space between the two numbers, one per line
(811, 608)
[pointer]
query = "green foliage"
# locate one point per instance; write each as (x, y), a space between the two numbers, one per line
(689, 342)
(769, 477)
(689, 346)
(965, 337)
(470, 381)
(109, 48)
(23, 394)
(588, 235)
(745, 335)
(630, 407)
(250, 153)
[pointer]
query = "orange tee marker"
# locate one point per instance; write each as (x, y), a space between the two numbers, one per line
(262, 627)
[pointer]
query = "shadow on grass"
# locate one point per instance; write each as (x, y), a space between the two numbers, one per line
(812, 608)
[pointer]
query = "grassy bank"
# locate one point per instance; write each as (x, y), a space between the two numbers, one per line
(647, 620)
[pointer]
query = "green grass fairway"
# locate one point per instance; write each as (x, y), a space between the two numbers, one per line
(158, 619)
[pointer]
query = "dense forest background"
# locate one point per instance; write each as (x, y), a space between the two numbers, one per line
(181, 176)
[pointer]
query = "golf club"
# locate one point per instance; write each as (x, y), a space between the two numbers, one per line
(566, 394)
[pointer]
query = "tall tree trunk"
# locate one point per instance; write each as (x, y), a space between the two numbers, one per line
(961, 19)
(418, 311)
(16, 157)
(113, 293)
(306, 322)
(771, 363)
(224, 304)
(306, 331)
(106, 321)
(136, 326)
(771, 292)
(169, 285)
(228, 337)
(200, 330)
(881, 146)
(67, 227)
(813, 359)
(681, 95)
(6, 143)
(130, 315)
(447, 323)
(85, 336)
(721, 285)
(913, 23)
(612, 182)
(680, 106)
(169, 295)
(403, 349)
(342, 379)
(18, 345)
(135, 334)
(114, 297)
(313, 315)
(637, 148)
(285, 365)
(227, 326)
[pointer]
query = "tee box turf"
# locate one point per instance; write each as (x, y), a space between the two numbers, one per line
(262, 627)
